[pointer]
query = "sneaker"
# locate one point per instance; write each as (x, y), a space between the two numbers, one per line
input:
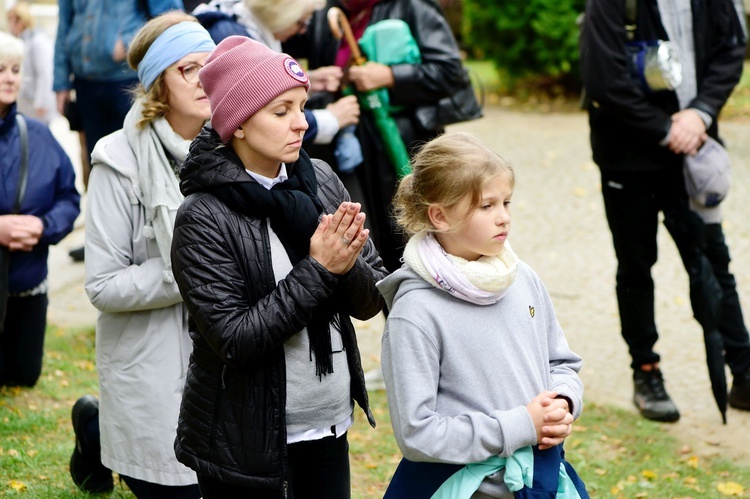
(86, 467)
(651, 398)
(77, 254)
(739, 395)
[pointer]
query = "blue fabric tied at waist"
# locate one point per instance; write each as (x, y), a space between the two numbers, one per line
(530, 473)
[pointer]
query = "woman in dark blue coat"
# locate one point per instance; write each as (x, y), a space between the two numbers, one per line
(46, 215)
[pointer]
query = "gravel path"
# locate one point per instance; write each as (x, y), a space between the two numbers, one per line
(560, 230)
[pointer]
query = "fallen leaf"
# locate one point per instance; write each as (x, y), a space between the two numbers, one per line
(17, 485)
(648, 474)
(85, 365)
(693, 461)
(730, 489)
(12, 452)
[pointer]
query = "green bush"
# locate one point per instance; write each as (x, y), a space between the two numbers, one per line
(525, 38)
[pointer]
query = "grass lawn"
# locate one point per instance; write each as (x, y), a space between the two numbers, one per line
(617, 454)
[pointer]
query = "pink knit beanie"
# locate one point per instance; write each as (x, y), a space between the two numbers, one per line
(241, 76)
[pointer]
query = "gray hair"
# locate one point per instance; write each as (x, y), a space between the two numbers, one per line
(11, 48)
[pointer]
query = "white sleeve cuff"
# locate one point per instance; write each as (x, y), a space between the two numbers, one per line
(328, 126)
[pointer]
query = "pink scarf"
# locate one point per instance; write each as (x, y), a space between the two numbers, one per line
(482, 282)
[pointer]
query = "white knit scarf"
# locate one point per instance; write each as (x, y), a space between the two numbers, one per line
(483, 282)
(159, 185)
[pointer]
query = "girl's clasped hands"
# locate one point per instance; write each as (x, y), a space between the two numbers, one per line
(552, 419)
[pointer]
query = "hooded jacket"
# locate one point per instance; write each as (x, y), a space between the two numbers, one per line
(142, 344)
(232, 422)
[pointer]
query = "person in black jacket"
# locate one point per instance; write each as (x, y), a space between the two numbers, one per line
(411, 86)
(271, 259)
(639, 138)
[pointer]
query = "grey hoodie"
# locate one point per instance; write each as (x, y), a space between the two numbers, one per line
(458, 376)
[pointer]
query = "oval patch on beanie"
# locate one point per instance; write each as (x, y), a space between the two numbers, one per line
(295, 71)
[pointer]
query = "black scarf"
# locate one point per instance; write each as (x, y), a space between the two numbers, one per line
(293, 209)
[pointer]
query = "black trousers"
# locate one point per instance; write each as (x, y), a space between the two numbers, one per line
(318, 469)
(149, 490)
(22, 341)
(632, 202)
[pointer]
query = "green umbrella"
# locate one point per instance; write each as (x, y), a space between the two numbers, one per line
(372, 101)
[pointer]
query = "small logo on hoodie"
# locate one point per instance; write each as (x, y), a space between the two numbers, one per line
(531, 311)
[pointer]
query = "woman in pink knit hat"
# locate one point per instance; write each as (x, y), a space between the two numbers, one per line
(271, 259)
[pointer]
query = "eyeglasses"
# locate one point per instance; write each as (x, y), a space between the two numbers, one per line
(189, 72)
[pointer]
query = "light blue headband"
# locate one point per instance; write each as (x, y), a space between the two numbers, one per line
(172, 45)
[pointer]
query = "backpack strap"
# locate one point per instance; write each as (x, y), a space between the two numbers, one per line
(631, 13)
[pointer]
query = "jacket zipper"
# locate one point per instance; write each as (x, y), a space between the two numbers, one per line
(285, 488)
(223, 372)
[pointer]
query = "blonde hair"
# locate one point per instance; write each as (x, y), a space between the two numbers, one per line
(11, 48)
(155, 100)
(23, 12)
(444, 172)
(280, 15)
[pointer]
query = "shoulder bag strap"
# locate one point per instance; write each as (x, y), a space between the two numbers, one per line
(23, 172)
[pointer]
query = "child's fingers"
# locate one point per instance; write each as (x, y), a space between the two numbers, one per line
(557, 431)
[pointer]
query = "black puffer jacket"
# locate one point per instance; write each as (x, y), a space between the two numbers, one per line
(232, 420)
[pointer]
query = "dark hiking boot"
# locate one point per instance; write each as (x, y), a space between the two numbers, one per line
(86, 467)
(651, 397)
(739, 395)
(77, 254)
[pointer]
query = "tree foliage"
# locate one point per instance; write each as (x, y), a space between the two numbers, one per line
(530, 37)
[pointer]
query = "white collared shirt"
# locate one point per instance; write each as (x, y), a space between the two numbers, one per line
(268, 182)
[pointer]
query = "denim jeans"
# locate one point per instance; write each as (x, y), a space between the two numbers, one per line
(102, 106)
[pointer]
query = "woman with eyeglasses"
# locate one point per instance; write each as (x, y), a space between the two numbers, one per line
(142, 342)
